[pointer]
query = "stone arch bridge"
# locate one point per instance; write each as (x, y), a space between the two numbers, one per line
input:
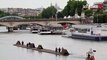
(10, 23)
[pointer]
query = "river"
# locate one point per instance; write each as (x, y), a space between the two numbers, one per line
(77, 48)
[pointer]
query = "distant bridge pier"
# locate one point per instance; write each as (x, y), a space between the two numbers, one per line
(10, 29)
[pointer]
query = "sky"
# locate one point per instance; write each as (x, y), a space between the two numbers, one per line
(36, 3)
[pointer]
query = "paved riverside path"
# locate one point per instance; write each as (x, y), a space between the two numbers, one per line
(41, 50)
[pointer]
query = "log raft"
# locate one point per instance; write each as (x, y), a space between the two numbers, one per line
(64, 51)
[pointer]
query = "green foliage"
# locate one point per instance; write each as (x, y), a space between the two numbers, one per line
(102, 18)
(32, 17)
(59, 15)
(3, 14)
(99, 11)
(49, 12)
(88, 13)
(73, 6)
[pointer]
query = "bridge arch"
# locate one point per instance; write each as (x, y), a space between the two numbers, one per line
(17, 24)
(3, 24)
(25, 25)
(11, 18)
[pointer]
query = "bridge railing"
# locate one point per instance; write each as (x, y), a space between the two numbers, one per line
(21, 20)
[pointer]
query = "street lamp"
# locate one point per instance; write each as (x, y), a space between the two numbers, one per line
(56, 15)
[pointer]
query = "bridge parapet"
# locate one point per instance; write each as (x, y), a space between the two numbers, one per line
(21, 20)
(13, 23)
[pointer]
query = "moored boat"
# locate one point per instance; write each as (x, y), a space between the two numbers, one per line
(67, 32)
(44, 31)
(90, 32)
(47, 31)
(34, 30)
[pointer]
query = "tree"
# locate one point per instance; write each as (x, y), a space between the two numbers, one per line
(80, 5)
(49, 12)
(101, 18)
(88, 13)
(73, 6)
(99, 11)
(3, 14)
(60, 15)
(69, 8)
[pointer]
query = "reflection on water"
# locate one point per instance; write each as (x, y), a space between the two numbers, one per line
(77, 48)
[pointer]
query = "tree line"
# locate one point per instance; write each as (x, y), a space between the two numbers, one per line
(72, 7)
(3, 14)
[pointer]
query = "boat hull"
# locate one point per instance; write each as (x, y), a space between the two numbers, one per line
(49, 33)
(89, 37)
(34, 31)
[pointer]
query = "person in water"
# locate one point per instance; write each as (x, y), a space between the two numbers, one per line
(56, 50)
(40, 47)
(59, 50)
(90, 55)
(22, 43)
(18, 43)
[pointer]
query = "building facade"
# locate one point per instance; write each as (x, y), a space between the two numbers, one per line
(22, 11)
(96, 6)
